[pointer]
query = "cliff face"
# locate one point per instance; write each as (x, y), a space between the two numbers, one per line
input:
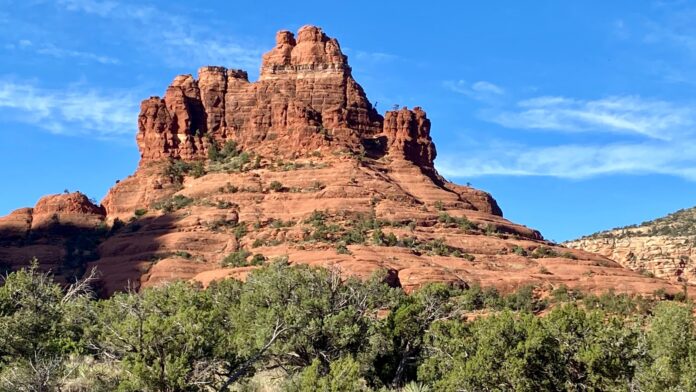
(299, 166)
(304, 99)
(665, 247)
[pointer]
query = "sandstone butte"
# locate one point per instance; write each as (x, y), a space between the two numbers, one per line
(664, 247)
(317, 176)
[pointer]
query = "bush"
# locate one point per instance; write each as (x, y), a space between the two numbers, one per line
(342, 249)
(176, 170)
(197, 169)
(240, 230)
(543, 252)
(462, 222)
(518, 250)
(228, 158)
(276, 186)
(236, 259)
(172, 204)
(331, 332)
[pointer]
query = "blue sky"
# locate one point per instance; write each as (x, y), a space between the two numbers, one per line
(576, 116)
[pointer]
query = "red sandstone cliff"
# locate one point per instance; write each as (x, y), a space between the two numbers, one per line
(315, 175)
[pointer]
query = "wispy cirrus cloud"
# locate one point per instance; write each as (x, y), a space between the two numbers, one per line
(177, 40)
(636, 135)
(49, 49)
(480, 90)
(376, 57)
(101, 8)
(654, 119)
(74, 112)
(573, 161)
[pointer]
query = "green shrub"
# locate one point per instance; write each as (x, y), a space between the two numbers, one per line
(543, 252)
(342, 249)
(240, 230)
(183, 254)
(236, 259)
(316, 186)
(172, 204)
(518, 250)
(279, 223)
(228, 188)
(276, 186)
(462, 222)
(176, 170)
(336, 333)
(257, 259)
(197, 169)
(224, 204)
(316, 218)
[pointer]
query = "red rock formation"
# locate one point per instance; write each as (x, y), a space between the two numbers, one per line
(66, 209)
(319, 145)
(43, 231)
(305, 99)
(408, 136)
(15, 226)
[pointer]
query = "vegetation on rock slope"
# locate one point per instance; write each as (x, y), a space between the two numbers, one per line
(676, 224)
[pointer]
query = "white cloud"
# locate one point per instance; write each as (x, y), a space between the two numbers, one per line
(71, 112)
(376, 57)
(101, 8)
(49, 49)
(573, 160)
(480, 91)
(178, 41)
(620, 114)
(636, 135)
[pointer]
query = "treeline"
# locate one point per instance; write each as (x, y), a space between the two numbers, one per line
(304, 329)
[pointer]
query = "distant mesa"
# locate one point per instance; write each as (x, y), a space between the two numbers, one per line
(297, 166)
(664, 247)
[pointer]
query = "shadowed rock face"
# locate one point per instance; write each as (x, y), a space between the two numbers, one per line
(317, 176)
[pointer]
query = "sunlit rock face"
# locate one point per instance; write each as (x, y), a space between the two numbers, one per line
(315, 176)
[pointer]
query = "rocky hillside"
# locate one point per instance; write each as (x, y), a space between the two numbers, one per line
(664, 247)
(296, 166)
